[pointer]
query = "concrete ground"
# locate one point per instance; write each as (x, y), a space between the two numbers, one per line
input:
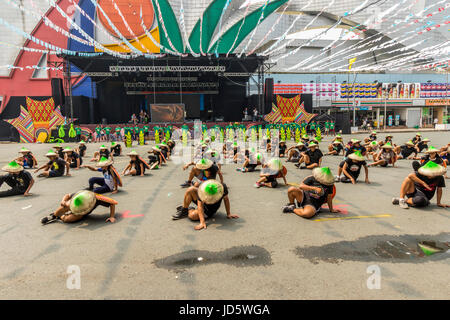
(263, 255)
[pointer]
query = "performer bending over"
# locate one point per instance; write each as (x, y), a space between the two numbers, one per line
(271, 172)
(76, 206)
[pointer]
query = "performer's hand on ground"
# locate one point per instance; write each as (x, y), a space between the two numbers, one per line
(200, 226)
(232, 216)
(335, 211)
(115, 191)
(367, 181)
(111, 219)
(443, 205)
(69, 175)
(27, 194)
(353, 181)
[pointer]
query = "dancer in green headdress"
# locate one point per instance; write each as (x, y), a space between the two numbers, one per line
(419, 187)
(208, 198)
(18, 179)
(314, 191)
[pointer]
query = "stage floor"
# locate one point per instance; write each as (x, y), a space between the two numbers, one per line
(263, 255)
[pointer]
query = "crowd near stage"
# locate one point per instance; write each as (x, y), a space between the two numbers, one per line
(171, 89)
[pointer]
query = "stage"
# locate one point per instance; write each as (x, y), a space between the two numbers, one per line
(207, 88)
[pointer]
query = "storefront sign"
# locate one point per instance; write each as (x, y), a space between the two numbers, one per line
(437, 102)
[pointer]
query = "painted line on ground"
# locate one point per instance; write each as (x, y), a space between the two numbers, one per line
(354, 217)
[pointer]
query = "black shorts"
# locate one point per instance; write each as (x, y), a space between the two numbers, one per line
(419, 199)
(54, 173)
(341, 165)
(251, 167)
(272, 180)
(209, 210)
(307, 202)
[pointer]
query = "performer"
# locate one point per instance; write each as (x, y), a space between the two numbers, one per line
(81, 150)
(335, 148)
(136, 166)
(372, 149)
(54, 167)
(203, 170)
(270, 173)
(59, 151)
(332, 128)
(111, 179)
(295, 152)
(372, 137)
(314, 191)
(420, 187)
(422, 145)
(155, 159)
(76, 206)
(312, 157)
(385, 156)
(352, 168)
(165, 150)
(116, 149)
(432, 154)
(72, 158)
(250, 166)
(282, 149)
(18, 179)
(406, 151)
(417, 138)
(208, 198)
(26, 159)
(103, 152)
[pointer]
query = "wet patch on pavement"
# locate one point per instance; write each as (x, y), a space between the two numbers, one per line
(381, 248)
(241, 256)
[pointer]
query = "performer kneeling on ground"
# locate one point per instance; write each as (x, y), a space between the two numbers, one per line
(18, 179)
(54, 167)
(270, 173)
(116, 149)
(314, 191)
(72, 158)
(312, 158)
(422, 145)
(76, 206)
(110, 181)
(81, 150)
(385, 157)
(420, 187)
(203, 170)
(405, 151)
(208, 198)
(352, 168)
(372, 149)
(136, 166)
(26, 159)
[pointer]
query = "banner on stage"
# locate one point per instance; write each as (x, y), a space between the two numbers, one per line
(167, 68)
(167, 112)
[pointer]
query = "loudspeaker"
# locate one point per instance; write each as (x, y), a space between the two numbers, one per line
(343, 122)
(307, 100)
(58, 91)
(268, 93)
